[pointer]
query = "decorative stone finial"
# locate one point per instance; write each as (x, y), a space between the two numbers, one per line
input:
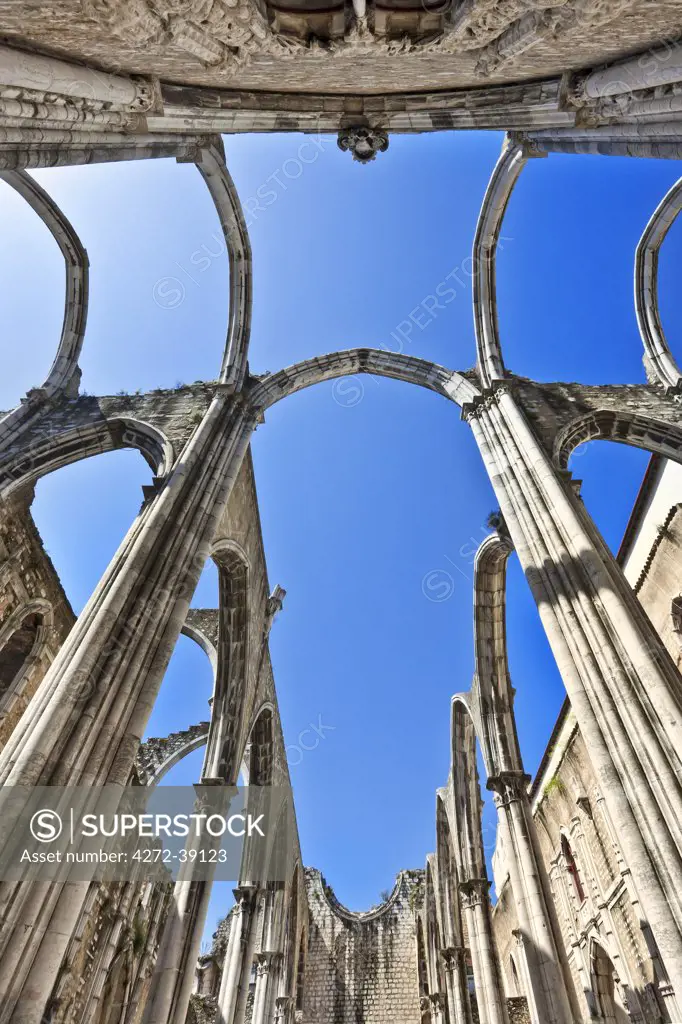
(363, 143)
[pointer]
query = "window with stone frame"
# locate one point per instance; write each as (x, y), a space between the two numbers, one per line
(572, 869)
(16, 651)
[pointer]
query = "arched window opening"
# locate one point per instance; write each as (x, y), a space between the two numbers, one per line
(572, 869)
(514, 977)
(16, 651)
(606, 989)
(261, 750)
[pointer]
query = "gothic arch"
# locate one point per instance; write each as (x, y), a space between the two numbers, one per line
(466, 794)
(492, 695)
(211, 165)
(233, 650)
(605, 986)
(51, 452)
(489, 361)
(658, 359)
(22, 639)
(194, 632)
(623, 427)
(448, 383)
(157, 755)
(260, 748)
(76, 262)
(514, 980)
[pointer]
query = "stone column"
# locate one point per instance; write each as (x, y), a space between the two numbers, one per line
(548, 992)
(266, 975)
(490, 999)
(245, 895)
(174, 970)
(84, 724)
(623, 686)
(171, 985)
(456, 987)
(250, 941)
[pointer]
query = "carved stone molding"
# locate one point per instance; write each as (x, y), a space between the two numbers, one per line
(474, 892)
(453, 957)
(363, 143)
(508, 787)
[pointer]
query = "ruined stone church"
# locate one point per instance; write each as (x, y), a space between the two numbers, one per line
(587, 924)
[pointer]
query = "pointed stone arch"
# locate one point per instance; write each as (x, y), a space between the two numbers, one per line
(606, 985)
(623, 427)
(157, 755)
(55, 449)
(489, 360)
(22, 639)
(233, 652)
(211, 165)
(454, 386)
(65, 365)
(260, 747)
(658, 359)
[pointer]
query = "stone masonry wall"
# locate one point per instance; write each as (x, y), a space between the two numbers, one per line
(361, 968)
(35, 615)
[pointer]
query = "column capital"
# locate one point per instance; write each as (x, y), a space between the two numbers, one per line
(283, 1005)
(530, 146)
(508, 786)
(474, 891)
(437, 1001)
(265, 960)
(244, 896)
(453, 957)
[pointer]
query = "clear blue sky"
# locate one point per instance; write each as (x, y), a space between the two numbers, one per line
(360, 499)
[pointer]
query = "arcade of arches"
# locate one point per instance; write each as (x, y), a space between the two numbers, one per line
(587, 924)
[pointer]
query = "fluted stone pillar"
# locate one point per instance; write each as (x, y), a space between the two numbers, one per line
(623, 686)
(171, 985)
(266, 978)
(84, 724)
(173, 978)
(249, 951)
(490, 998)
(240, 927)
(456, 987)
(547, 991)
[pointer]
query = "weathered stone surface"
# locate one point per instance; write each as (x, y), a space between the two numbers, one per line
(361, 966)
